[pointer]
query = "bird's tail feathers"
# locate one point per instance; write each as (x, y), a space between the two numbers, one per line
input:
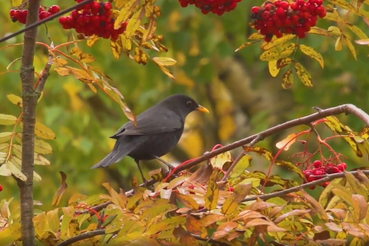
(113, 157)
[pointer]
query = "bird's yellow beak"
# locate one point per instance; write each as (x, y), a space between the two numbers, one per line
(202, 109)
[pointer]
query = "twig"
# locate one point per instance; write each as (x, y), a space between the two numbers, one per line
(40, 22)
(328, 177)
(225, 177)
(45, 74)
(82, 236)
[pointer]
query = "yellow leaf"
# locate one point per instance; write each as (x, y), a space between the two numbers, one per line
(16, 170)
(16, 100)
(133, 23)
(291, 167)
(273, 69)
(4, 171)
(36, 177)
(319, 31)
(334, 30)
(5, 136)
(75, 51)
(256, 36)
(126, 9)
(345, 5)
(286, 142)
(60, 61)
(244, 45)
(62, 71)
(42, 147)
(278, 52)
(212, 192)
(303, 74)
(287, 79)
(86, 58)
(81, 74)
(357, 31)
(44, 132)
(6, 119)
(16, 3)
(92, 40)
(164, 61)
(168, 73)
(338, 44)
(10, 234)
(140, 57)
(187, 201)
(362, 41)
(277, 41)
(40, 160)
(351, 47)
(284, 62)
(312, 53)
(218, 161)
(241, 166)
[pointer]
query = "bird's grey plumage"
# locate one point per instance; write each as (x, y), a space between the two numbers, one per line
(157, 131)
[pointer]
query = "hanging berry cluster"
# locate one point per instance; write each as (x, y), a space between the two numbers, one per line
(93, 18)
(318, 170)
(43, 12)
(282, 17)
(218, 7)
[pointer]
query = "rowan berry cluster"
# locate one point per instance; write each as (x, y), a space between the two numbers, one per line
(318, 169)
(282, 17)
(93, 18)
(43, 12)
(218, 7)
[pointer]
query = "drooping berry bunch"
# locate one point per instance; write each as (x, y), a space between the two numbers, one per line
(318, 169)
(281, 17)
(218, 7)
(93, 18)
(43, 12)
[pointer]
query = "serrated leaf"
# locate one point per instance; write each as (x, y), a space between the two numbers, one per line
(44, 132)
(303, 74)
(351, 47)
(241, 166)
(312, 53)
(278, 52)
(290, 167)
(16, 100)
(92, 40)
(358, 32)
(273, 69)
(62, 71)
(5, 136)
(319, 31)
(164, 61)
(7, 120)
(133, 23)
(15, 170)
(187, 200)
(277, 41)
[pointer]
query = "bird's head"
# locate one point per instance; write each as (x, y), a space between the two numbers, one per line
(183, 105)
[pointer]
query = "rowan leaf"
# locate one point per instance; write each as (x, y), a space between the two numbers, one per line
(44, 132)
(276, 41)
(351, 47)
(141, 58)
(362, 41)
(278, 52)
(164, 61)
(16, 100)
(273, 69)
(195, 227)
(187, 201)
(5, 136)
(16, 3)
(7, 120)
(16, 170)
(127, 8)
(62, 188)
(286, 143)
(290, 167)
(220, 160)
(241, 166)
(212, 192)
(134, 22)
(284, 62)
(116, 48)
(320, 31)
(224, 229)
(4, 170)
(338, 44)
(42, 147)
(62, 71)
(303, 74)
(244, 45)
(358, 32)
(312, 53)
(10, 234)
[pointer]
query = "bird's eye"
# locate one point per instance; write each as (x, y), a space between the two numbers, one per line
(189, 103)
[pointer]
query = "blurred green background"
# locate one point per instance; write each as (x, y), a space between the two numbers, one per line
(237, 88)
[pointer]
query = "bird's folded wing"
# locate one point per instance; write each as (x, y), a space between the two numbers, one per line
(148, 124)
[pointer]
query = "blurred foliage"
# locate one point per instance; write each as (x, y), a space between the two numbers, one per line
(203, 47)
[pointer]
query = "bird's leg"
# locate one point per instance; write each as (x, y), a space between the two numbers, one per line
(170, 166)
(139, 168)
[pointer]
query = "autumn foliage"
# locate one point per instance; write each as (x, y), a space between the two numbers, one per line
(218, 198)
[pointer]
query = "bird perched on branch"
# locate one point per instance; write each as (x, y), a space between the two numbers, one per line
(157, 131)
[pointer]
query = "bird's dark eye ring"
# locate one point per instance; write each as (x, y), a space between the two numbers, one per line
(189, 103)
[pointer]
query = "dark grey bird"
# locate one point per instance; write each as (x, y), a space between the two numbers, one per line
(157, 131)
